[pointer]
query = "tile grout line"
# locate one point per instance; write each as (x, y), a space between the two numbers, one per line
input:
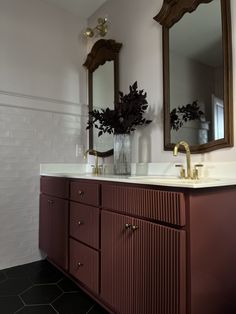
(90, 309)
(54, 308)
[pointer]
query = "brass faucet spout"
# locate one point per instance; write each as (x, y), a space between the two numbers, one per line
(188, 156)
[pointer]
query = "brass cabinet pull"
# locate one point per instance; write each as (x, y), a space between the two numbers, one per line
(134, 227)
(80, 264)
(128, 226)
(80, 222)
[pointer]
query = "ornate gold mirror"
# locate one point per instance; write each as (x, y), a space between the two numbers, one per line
(103, 87)
(197, 64)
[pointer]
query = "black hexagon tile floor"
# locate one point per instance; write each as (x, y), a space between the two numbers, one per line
(39, 288)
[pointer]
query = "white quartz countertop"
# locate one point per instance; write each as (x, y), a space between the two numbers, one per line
(170, 181)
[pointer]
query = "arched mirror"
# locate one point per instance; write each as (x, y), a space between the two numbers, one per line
(197, 66)
(103, 87)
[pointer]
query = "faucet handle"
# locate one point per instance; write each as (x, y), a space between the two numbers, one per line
(195, 171)
(182, 170)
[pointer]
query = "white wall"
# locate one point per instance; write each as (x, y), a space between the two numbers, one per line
(131, 23)
(41, 113)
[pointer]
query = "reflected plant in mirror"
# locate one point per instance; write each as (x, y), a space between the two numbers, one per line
(181, 115)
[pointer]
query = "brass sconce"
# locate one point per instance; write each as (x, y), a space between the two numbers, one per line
(100, 29)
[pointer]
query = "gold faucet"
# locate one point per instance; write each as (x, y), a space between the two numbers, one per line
(188, 157)
(96, 169)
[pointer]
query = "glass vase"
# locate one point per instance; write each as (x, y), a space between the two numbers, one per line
(122, 154)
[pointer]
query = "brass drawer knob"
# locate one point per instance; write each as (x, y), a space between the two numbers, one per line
(81, 193)
(80, 223)
(80, 264)
(134, 227)
(128, 226)
(50, 202)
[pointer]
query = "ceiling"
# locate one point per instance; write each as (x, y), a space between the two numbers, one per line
(80, 8)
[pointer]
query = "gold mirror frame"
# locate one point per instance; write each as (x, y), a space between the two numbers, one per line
(103, 50)
(170, 13)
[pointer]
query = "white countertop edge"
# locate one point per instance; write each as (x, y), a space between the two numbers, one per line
(218, 182)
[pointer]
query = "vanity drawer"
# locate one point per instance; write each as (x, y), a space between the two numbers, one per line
(163, 206)
(84, 265)
(84, 223)
(87, 193)
(55, 186)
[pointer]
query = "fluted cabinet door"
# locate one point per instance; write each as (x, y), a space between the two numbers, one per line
(117, 262)
(159, 268)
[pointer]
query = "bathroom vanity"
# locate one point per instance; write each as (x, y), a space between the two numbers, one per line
(141, 248)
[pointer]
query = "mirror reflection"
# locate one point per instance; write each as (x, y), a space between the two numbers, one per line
(103, 88)
(196, 76)
(103, 97)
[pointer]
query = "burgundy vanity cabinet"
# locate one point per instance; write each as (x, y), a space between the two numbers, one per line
(53, 220)
(85, 233)
(141, 249)
(143, 263)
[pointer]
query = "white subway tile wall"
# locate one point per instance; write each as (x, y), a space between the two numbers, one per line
(28, 138)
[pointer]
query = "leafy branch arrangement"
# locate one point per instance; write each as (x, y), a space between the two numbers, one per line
(127, 115)
(180, 115)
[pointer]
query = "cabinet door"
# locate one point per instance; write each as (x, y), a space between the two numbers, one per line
(45, 222)
(116, 262)
(54, 229)
(159, 269)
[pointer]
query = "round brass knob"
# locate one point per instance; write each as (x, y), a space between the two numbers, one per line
(128, 226)
(80, 223)
(80, 264)
(134, 228)
(81, 193)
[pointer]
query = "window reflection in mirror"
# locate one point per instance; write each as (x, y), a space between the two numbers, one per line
(103, 97)
(196, 73)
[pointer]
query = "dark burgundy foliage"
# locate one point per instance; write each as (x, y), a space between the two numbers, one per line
(180, 115)
(127, 115)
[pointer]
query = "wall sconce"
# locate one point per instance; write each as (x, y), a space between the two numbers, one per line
(100, 29)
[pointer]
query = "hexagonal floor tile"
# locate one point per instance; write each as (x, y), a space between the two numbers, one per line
(14, 286)
(37, 309)
(17, 271)
(97, 309)
(10, 304)
(45, 275)
(39, 265)
(73, 303)
(2, 276)
(68, 285)
(41, 294)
